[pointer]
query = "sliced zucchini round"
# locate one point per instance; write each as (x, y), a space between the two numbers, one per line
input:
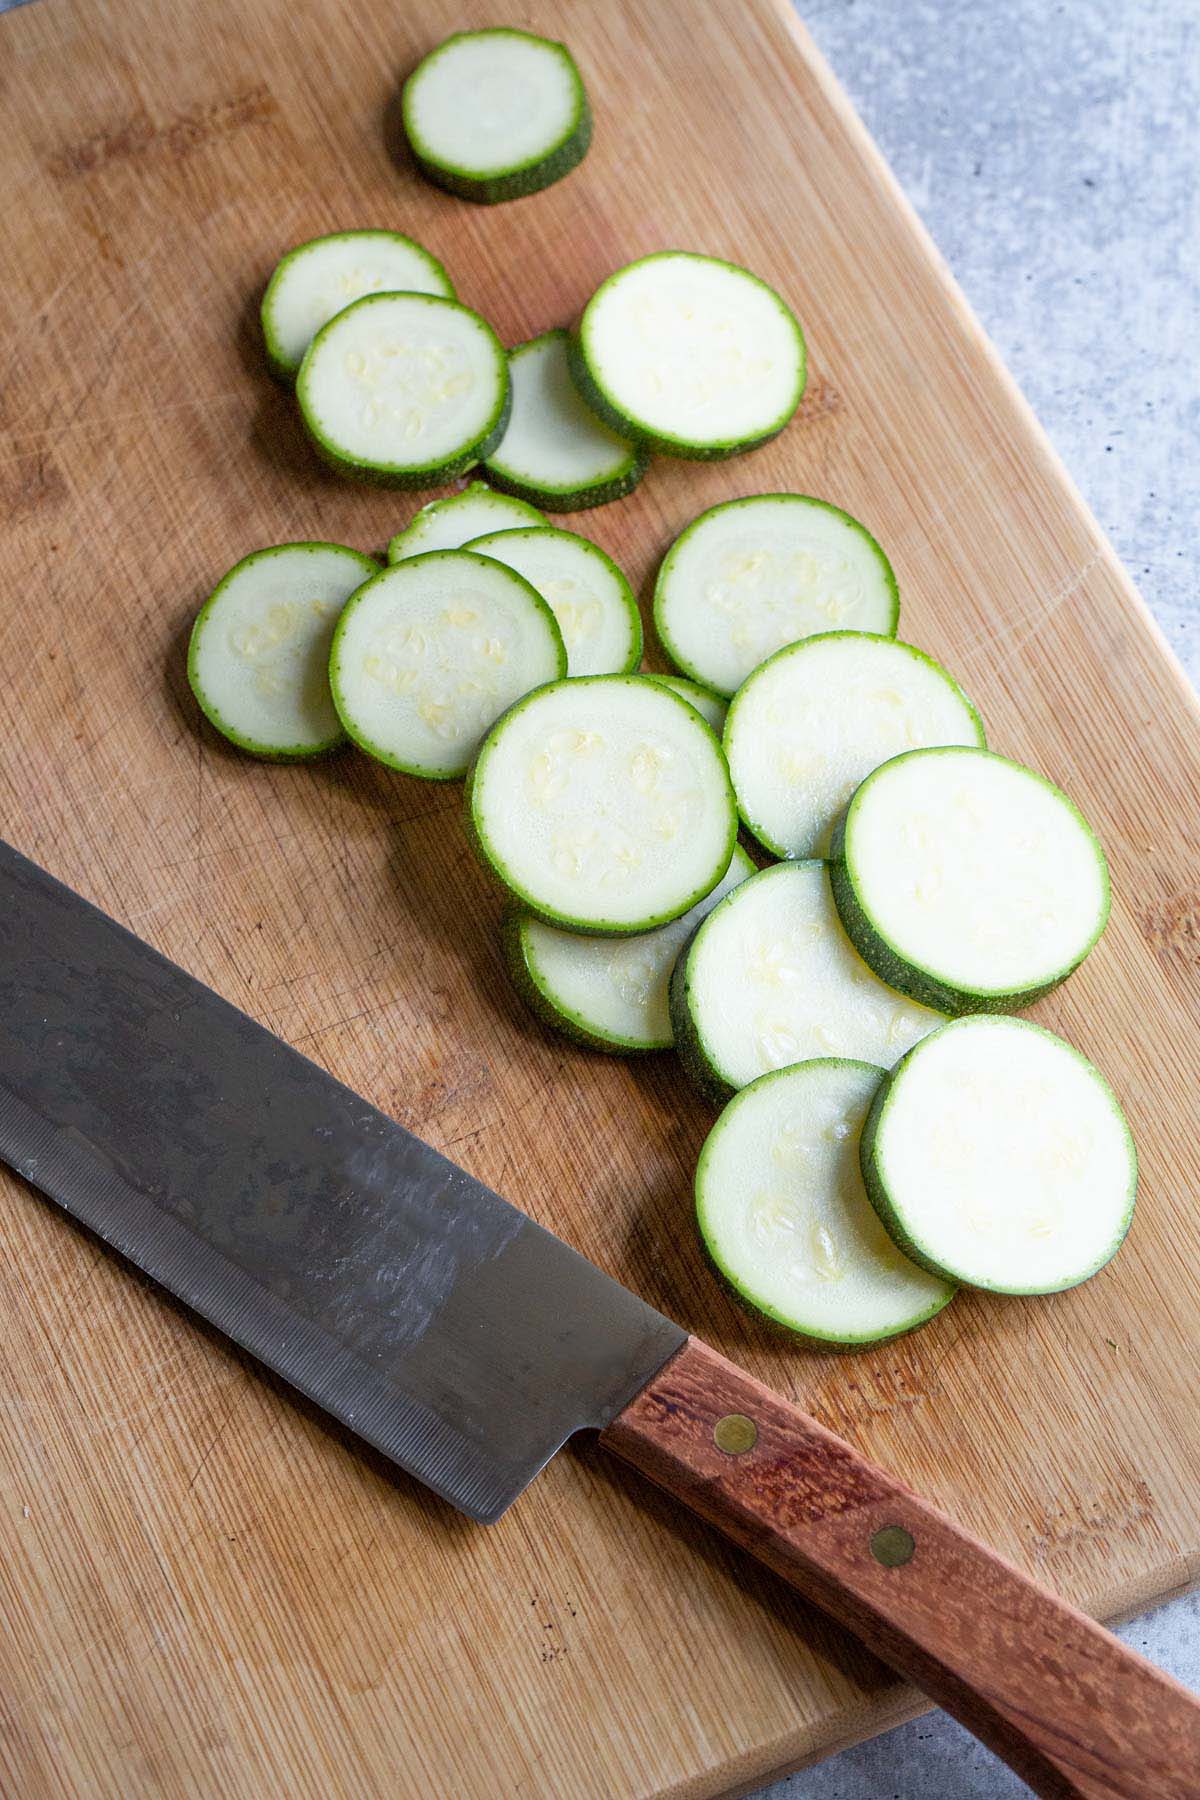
(783, 1215)
(318, 279)
(998, 1156)
(968, 881)
(456, 519)
(555, 451)
(404, 389)
(710, 706)
(690, 356)
(770, 978)
(810, 723)
(584, 589)
(432, 651)
(258, 659)
(497, 114)
(607, 993)
(749, 576)
(603, 805)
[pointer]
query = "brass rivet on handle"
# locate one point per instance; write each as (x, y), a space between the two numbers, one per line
(892, 1546)
(735, 1434)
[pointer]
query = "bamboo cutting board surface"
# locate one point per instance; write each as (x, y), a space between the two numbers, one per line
(205, 1590)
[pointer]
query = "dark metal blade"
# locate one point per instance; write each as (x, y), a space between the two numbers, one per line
(408, 1300)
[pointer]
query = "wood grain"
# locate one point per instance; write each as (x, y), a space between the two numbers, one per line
(204, 1590)
(1071, 1708)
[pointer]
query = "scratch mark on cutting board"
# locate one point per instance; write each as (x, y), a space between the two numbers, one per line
(27, 441)
(31, 483)
(176, 139)
(1171, 927)
(217, 1436)
(1037, 615)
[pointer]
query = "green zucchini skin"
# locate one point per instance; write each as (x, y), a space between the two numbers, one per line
(877, 1193)
(520, 183)
(775, 846)
(431, 475)
(397, 548)
(563, 497)
(783, 1330)
(352, 727)
(920, 984)
(425, 475)
(531, 982)
(555, 1018)
(664, 443)
(252, 746)
(654, 443)
(486, 545)
(283, 368)
(526, 178)
(843, 1343)
(893, 1224)
(565, 500)
(677, 658)
(585, 928)
(689, 1048)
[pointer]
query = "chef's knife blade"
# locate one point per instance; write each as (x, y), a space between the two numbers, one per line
(404, 1297)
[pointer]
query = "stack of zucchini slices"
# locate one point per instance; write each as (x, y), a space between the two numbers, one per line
(842, 981)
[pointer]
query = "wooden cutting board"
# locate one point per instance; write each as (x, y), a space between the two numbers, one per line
(205, 1590)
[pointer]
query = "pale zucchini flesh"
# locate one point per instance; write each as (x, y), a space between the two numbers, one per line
(998, 1156)
(809, 724)
(258, 659)
(322, 277)
(770, 978)
(749, 576)
(555, 451)
(690, 356)
(405, 389)
(584, 589)
(968, 881)
(496, 114)
(430, 653)
(455, 519)
(783, 1214)
(608, 993)
(603, 805)
(710, 706)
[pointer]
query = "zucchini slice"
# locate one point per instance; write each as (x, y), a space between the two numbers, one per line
(603, 805)
(607, 993)
(784, 1217)
(770, 978)
(404, 389)
(555, 451)
(258, 659)
(318, 279)
(584, 589)
(496, 114)
(453, 521)
(811, 722)
(710, 706)
(690, 356)
(431, 652)
(749, 576)
(968, 881)
(998, 1156)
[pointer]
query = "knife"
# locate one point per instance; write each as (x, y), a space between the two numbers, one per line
(467, 1344)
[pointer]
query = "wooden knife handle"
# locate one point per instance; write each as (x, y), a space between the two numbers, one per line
(1059, 1698)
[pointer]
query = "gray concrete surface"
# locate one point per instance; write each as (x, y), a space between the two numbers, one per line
(1052, 148)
